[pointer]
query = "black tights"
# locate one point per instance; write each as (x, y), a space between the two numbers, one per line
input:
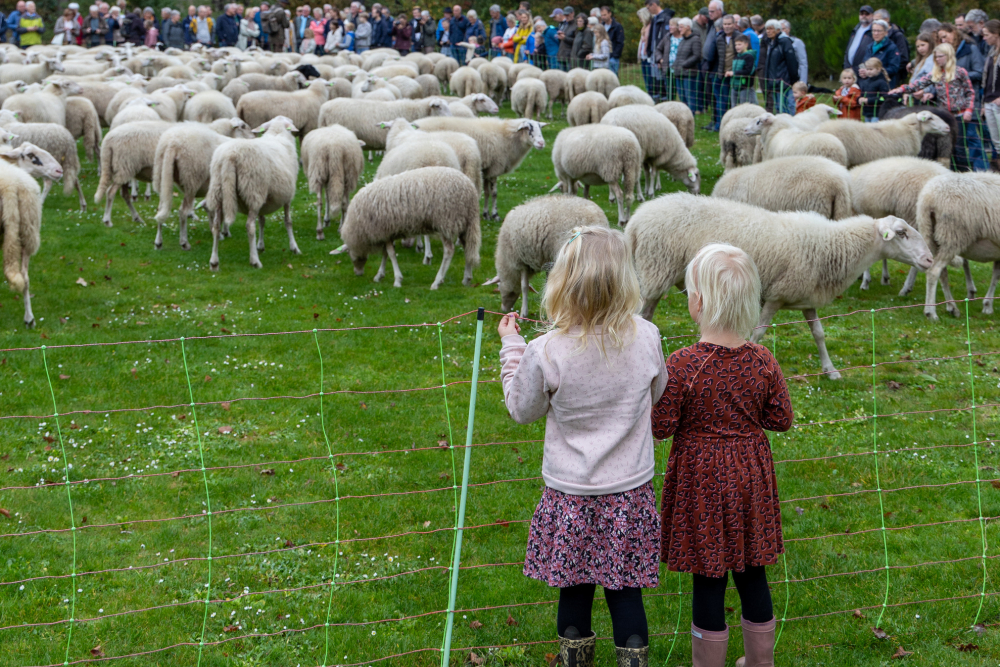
(709, 606)
(628, 616)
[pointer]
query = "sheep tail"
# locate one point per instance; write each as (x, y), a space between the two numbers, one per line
(12, 243)
(472, 239)
(226, 191)
(106, 158)
(92, 138)
(71, 170)
(165, 183)
(334, 183)
(529, 107)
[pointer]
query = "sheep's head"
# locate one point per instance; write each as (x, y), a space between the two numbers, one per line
(30, 158)
(8, 116)
(903, 243)
(481, 103)
(277, 125)
(929, 123)
(691, 178)
(830, 111)
(532, 129)
(240, 129)
(759, 123)
(7, 137)
(438, 106)
(55, 65)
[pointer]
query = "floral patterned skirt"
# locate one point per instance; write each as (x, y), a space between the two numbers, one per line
(611, 540)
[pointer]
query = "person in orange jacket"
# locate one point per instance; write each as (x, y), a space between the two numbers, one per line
(846, 97)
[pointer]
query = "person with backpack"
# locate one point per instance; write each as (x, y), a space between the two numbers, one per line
(276, 22)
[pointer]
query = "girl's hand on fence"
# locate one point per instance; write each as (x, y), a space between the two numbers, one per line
(967, 116)
(508, 325)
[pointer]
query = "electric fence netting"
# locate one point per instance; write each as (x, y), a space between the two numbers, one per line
(165, 505)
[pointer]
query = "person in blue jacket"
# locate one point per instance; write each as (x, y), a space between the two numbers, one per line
(551, 47)
(459, 24)
(883, 48)
(227, 29)
(189, 37)
(13, 20)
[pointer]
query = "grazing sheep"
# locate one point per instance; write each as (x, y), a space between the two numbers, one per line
(576, 81)
(117, 101)
(248, 83)
(9, 89)
(801, 183)
(429, 84)
(333, 161)
(409, 70)
(866, 142)
(256, 176)
(595, 155)
(301, 107)
(557, 86)
(891, 186)
(465, 81)
(529, 97)
(208, 106)
(737, 148)
(465, 147)
(626, 95)
(530, 238)
(127, 152)
(662, 145)
(55, 140)
(21, 215)
(494, 81)
(444, 68)
(503, 144)
(408, 87)
(680, 115)
(745, 110)
(47, 106)
(505, 62)
(363, 87)
(432, 200)
(805, 261)
(587, 107)
(183, 158)
(30, 73)
(136, 111)
(471, 106)
(957, 214)
(934, 146)
(170, 102)
(780, 138)
(602, 80)
(82, 121)
(364, 116)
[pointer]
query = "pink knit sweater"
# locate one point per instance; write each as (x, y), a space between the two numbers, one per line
(598, 438)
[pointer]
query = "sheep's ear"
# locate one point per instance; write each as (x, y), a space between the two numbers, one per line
(885, 228)
(492, 281)
(924, 116)
(339, 251)
(541, 124)
(361, 143)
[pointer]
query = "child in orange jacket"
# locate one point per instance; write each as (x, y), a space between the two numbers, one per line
(846, 97)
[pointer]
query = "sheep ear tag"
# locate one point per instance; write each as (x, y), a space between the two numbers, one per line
(887, 235)
(691, 176)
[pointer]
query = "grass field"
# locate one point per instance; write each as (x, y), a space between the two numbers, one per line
(273, 487)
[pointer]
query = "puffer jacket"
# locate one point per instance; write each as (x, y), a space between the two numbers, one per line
(957, 95)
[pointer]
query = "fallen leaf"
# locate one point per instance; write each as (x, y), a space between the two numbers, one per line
(107, 277)
(979, 629)
(967, 648)
(315, 316)
(267, 471)
(995, 484)
(63, 320)
(95, 325)
(73, 427)
(893, 385)
(901, 653)
(730, 610)
(175, 473)
(880, 633)
(97, 652)
(289, 544)
(799, 511)
(475, 625)
(364, 406)
(48, 438)
(443, 475)
(81, 282)
(224, 405)
(133, 370)
(63, 377)
(551, 659)
(208, 378)
(6, 513)
(510, 620)
(520, 460)
(180, 417)
(225, 429)
(224, 330)
(427, 524)
(340, 466)
(442, 443)
(476, 659)
(231, 628)
(858, 614)
(273, 499)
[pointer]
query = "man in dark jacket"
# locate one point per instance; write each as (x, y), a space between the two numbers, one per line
(616, 33)
(782, 67)
(132, 28)
(725, 49)
(459, 26)
(710, 57)
(861, 37)
(227, 29)
(95, 27)
(686, 63)
(189, 37)
(975, 20)
(172, 32)
(897, 37)
(659, 30)
(565, 35)
(274, 23)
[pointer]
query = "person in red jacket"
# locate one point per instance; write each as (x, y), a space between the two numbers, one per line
(847, 96)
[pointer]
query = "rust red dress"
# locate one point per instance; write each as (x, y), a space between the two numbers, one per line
(720, 496)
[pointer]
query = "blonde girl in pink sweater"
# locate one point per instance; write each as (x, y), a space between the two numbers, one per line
(594, 376)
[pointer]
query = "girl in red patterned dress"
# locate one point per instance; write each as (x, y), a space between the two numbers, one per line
(594, 377)
(720, 497)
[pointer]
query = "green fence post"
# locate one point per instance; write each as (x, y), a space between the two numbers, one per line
(457, 556)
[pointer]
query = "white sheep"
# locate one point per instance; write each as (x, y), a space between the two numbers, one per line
(9, 89)
(248, 83)
(444, 68)
(465, 147)
(301, 107)
(183, 158)
(957, 214)
(364, 116)
(170, 102)
(812, 118)
(30, 73)
(471, 106)
(557, 86)
(127, 152)
(47, 106)
(136, 111)
(83, 121)
(576, 82)
(503, 144)
(801, 183)
(429, 84)
(117, 101)
(662, 144)
(598, 155)
(736, 147)
(333, 162)
(408, 87)
(465, 81)
(432, 200)
(805, 261)
(891, 186)
(587, 107)
(494, 81)
(257, 176)
(208, 106)
(866, 142)
(529, 97)
(530, 238)
(680, 115)
(627, 95)
(21, 212)
(399, 68)
(58, 142)
(602, 80)
(745, 110)
(780, 138)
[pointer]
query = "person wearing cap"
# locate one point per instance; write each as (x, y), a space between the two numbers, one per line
(860, 38)
(566, 34)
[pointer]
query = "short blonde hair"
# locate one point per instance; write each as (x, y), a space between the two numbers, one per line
(593, 283)
(726, 278)
(800, 86)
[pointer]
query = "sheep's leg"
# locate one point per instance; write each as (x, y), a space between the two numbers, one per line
(260, 232)
(586, 191)
(186, 212)
(134, 185)
(866, 279)
(911, 279)
(494, 187)
(970, 284)
(371, 156)
(428, 253)
(251, 236)
(319, 216)
(525, 288)
(817, 331)
(292, 245)
(29, 317)
(885, 272)
(149, 191)
(380, 274)
(616, 191)
(934, 274)
(766, 315)
(79, 192)
(649, 307)
(128, 200)
(390, 251)
(109, 200)
(158, 241)
(988, 299)
(449, 252)
(950, 304)
(213, 263)
(46, 186)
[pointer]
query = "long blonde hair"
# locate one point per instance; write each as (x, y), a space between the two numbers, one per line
(593, 283)
(948, 74)
(726, 279)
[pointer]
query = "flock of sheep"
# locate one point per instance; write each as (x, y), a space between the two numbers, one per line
(814, 201)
